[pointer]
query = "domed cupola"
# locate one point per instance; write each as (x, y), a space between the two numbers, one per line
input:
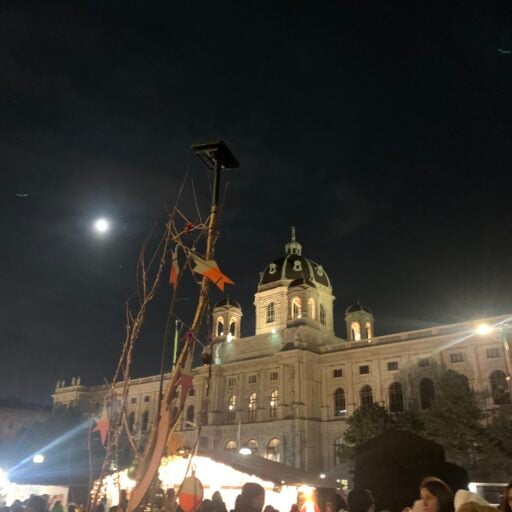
(227, 316)
(293, 266)
(293, 287)
(359, 320)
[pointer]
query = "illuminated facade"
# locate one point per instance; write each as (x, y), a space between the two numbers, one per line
(285, 393)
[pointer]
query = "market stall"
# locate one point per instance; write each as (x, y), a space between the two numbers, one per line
(228, 472)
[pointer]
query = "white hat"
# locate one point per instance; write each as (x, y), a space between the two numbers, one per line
(462, 496)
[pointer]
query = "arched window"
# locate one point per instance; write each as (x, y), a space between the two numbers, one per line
(368, 329)
(499, 388)
(231, 409)
(322, 314)
(271, 313)
(340, 407)
(131, 421)
(296, 308)
(189, 417)
(427, 393)
(144, 421)
(366, 395)
(396, 399)
(338, 451)
(356, 331)
(252, 406)
(220, 326)
(311, 308)
(232, 327)
(274, 401)
(191, 391)
(253, 445)
(230, 446)
(273, 449)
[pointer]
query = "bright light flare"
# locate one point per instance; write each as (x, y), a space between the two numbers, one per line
(483, 329)
(245, 451)
(4, 480)
(38, 458)
(101, 225)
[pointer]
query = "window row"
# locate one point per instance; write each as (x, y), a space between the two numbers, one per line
(252, 406)
(297, 311)
(252, 379)
(272, 451)
(497, 380)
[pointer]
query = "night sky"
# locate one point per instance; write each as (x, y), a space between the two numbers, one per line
(381, 130)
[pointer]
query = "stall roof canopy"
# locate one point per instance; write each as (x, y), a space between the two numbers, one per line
(267, 469)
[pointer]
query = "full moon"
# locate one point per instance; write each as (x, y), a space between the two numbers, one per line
(101, 225)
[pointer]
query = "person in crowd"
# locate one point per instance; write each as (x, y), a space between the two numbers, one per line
(269, 508)
(17, 506)
(35, 504)
(206, 506)
(57, 506)
(252, 498)
(218, 503)
(506, 504)
(101, 505)
(238, 504)
(294, 508)
(436, 495)
(360, 500)
(170, 500)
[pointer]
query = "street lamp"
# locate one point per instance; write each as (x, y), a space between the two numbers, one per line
(38, 458)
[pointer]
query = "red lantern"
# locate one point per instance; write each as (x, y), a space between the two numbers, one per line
(191, 494)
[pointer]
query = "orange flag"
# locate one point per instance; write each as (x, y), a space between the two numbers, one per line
(175, 269)
(211, 270)
(103, 425)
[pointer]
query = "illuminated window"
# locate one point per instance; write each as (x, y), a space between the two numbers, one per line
(322, 314)
(271, 313)
(131, 421)
(273, 450)
(493, 353)
(340, 407)
(296, 308)
(220, 326)
(144, 421)
(230, 446)
(252, 406)
(231, 408)
(396, 399)
(189, 416)
(338, 451)
(311, 308)
(366, 395)
(253, 445)
(427, 393)
(274, 401)
(356, 331)
(368, 328)
(456, 357)
(499, 388)
(232, 327)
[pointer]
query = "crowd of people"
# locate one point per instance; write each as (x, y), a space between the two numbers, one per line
(434, 496)
(41, 503)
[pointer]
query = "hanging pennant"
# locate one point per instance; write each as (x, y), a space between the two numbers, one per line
(191, 494)
(210, 269)
(175, 269)
(102, 425)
